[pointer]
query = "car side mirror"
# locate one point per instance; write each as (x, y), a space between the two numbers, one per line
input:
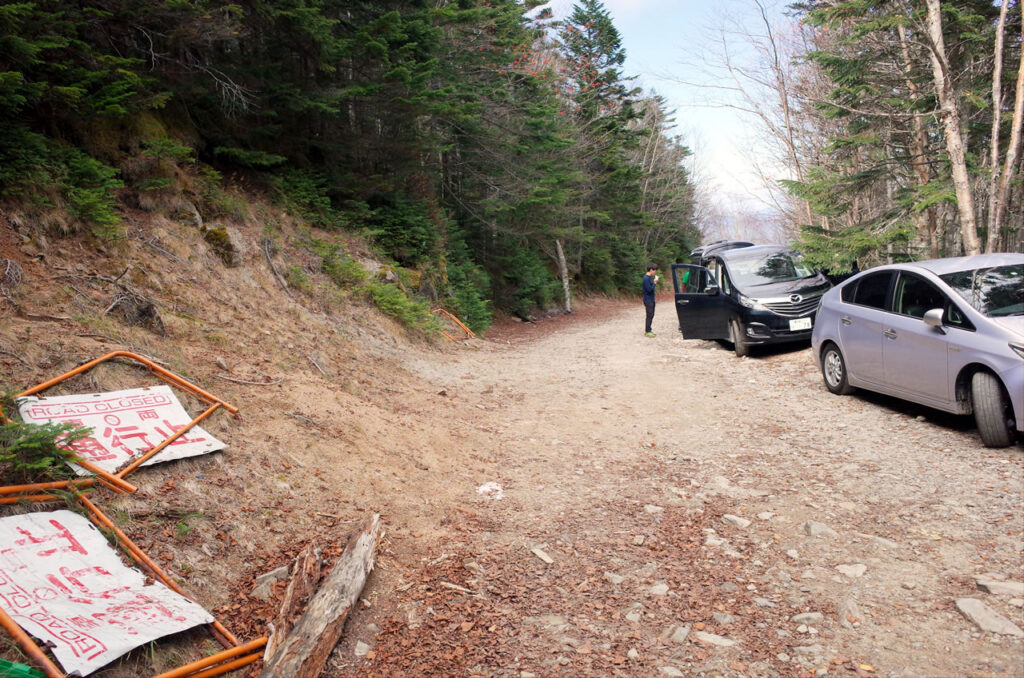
(933, 318)
(711, 290)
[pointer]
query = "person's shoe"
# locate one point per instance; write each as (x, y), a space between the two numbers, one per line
(650, 334)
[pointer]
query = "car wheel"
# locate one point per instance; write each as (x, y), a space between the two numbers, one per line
(739, 338)
(833, 369)
(992, 410)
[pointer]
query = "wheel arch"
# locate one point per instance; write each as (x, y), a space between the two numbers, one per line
(962, 386)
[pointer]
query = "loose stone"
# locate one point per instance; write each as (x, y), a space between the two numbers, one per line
(705, 638)
(815, 529)
(987, 619)
(680, 634)
(1003, 588)
(735, 520)
(853, 571)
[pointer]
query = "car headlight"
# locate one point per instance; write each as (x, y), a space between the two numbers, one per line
(751, 303)
(1018, 349)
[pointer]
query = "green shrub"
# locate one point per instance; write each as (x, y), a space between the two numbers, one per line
(406, 231)
(38, 170)
(343, 270)
(597, 270)
(528, 283)
(34, 453)
(305, 194)
(469, 284)
(89, 189)
(248, 158)
(214, 201)
(392, 301)
(297, 278)
(167, 149)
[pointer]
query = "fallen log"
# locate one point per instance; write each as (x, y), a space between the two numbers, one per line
(304, 652)
(305, 577)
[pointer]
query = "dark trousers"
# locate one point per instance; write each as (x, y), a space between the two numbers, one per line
(649, 305)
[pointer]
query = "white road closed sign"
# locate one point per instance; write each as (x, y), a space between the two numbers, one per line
(124, 424)
(63, 583)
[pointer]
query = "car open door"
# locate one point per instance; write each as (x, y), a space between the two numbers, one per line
(701, 307)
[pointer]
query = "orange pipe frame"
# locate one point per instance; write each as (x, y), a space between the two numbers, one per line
(30, 647)
(230, 666)
(139, 461)
(54, 485)
(469, 332)
(166, 375)
(222, 634)
(116, 481)
(189, 669)
(232, 647)
(14, 499)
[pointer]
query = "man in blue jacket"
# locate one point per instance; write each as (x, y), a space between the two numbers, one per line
(650, 280)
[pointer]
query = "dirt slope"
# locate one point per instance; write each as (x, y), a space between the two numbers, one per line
(617, 457)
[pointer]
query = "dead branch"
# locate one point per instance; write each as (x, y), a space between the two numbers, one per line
(25, 315)
(16, 357)
(161, 250)
(11, 276)
(135, 308)
(283, 283)
(316, 365)
(303, 418)
(251, 383)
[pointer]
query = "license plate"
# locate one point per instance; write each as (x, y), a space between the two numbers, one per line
(799, 324)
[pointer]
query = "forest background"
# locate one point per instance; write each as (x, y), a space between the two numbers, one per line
(494, 156)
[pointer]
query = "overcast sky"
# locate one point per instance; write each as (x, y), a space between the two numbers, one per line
(659, 36)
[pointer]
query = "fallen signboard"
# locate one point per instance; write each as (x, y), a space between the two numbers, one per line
(62, 582)
(124, 425)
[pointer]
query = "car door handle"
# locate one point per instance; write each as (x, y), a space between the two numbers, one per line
(846, 320)
(890, 333)
(683, 301)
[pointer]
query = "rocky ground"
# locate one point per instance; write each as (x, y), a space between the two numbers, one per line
(564, 497)
(668, 509)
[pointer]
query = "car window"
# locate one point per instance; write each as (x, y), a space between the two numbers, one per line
(723, 279)
(847, 292)
(996, 291)
(695, 280)
(872, 290)
(914, 296)
(954, 317)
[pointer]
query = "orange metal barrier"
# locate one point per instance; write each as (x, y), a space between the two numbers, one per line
(116, 481)
(234, 655)
(469, 332)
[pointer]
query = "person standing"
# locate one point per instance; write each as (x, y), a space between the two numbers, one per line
(649, 282)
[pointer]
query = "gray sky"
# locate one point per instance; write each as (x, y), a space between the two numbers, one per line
(658, 36)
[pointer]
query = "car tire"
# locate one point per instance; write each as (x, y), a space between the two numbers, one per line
(833, 370)
(739, 338)
(993, 412)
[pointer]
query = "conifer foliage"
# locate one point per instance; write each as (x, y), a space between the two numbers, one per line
(471, 145)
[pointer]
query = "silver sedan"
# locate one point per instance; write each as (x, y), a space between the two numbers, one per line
(946, 333)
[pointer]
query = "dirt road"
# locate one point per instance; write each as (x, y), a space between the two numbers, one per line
(666, 509)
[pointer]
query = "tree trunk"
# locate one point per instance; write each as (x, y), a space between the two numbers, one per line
(563, 272)
(1012, 151)
(306, 649)
(920, 145)
(953, 129)
(997, 108)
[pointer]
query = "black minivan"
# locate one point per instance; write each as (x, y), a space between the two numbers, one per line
(747, 295)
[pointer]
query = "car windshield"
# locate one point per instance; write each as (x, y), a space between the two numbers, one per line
(768, 267)
(996, 291)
